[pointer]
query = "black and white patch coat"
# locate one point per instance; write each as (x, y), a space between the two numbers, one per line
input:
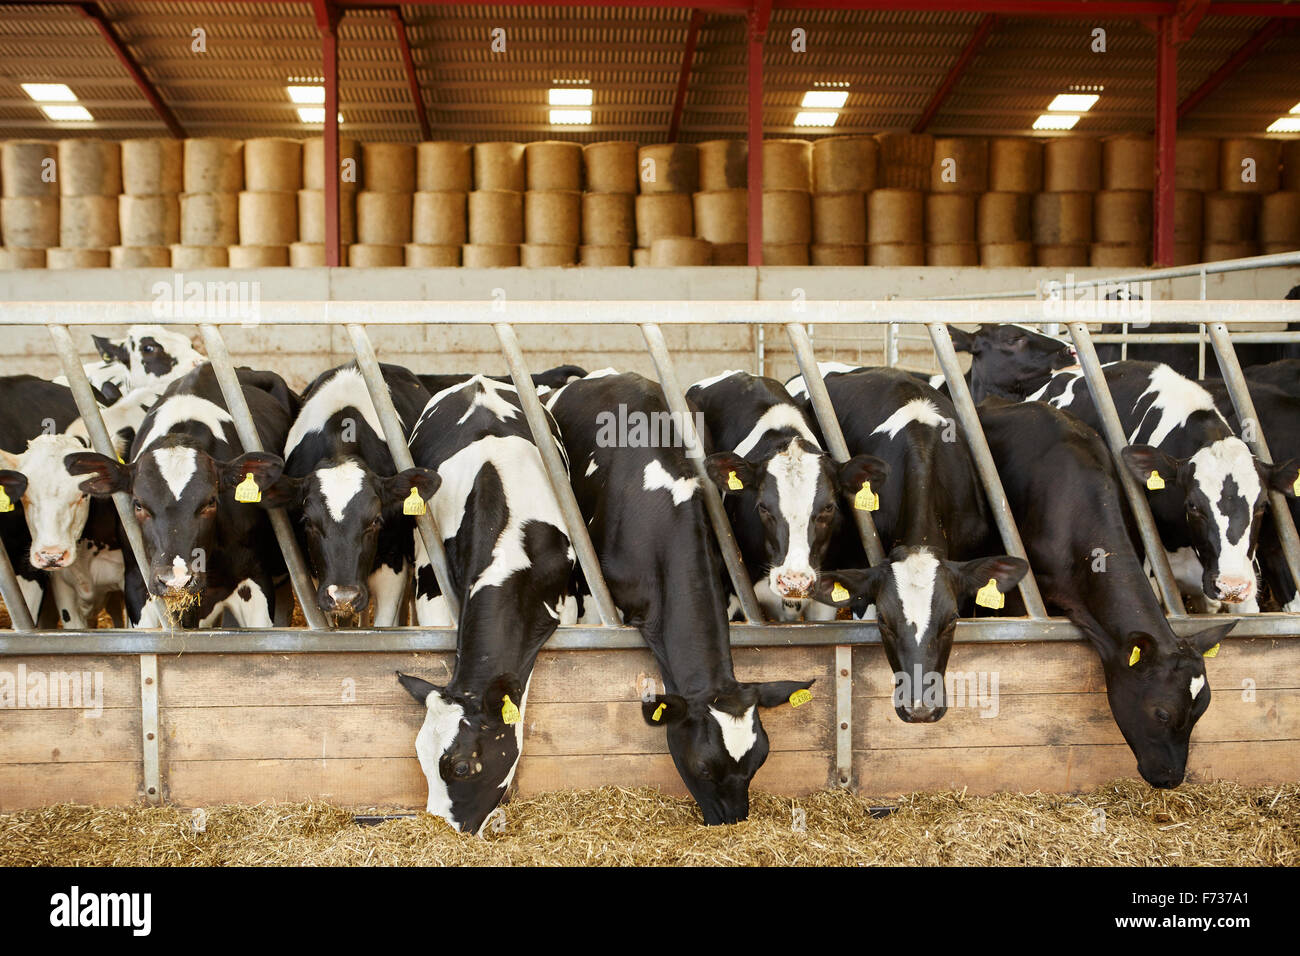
(511, 563)
(1067, 502)
(646, 513)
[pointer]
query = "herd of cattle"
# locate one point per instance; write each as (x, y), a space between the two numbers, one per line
(201, 501)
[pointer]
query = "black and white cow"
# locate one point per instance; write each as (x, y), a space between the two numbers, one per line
(1067, 502)
(511, 563)
(550, 379)
(151, 356)
(645, 510)
(932, 520)
(1010, 361)
(341, 483)
(1207, 491)
(787, 507)
(207, 552)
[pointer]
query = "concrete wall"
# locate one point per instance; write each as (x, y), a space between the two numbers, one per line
(299, 352)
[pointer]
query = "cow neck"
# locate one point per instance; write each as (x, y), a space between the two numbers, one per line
(919, 521)
(1119, 601)
(489, 642)
(688, 629)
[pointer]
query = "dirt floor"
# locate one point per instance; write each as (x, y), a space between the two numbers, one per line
(1121, 824)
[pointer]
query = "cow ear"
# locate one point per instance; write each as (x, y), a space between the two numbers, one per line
(502, 699)
(265, 468)
(729, 471)
(107, 475)
(109, 350)
(1150, 466)
(397, 488)
(664, 709)
(962, 341)
(1207, 640)
(773, 693)
(8, 460)
(860, 469)
(1004, 570)
(14, 484)
(1138, 650)
(842, 588)
(1284, 477)
(417, 687)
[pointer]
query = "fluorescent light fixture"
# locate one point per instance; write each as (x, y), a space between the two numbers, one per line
(824, 99)
(314, 115)
(569, 96)
(49, 92)
(306, 94)
(1073, 103)
(570, 117)
(1295, 109)
(1055, 121)
(815, 118)
(67, 114)
(1285, 124)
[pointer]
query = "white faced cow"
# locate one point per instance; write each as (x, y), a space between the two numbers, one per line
(152, 355)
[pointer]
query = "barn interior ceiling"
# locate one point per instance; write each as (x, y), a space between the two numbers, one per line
(483, 70)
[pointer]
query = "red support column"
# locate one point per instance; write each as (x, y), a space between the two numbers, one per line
(684, 79)
(1166, 129)
(968, 53)
(327, 19)
(92, 13)
(1248, 49)
(758, 18)
(412, 80)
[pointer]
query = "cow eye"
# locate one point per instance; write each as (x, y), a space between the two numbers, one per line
(210, 504)
(376, 524)
(826, 513)
(1162, 716)
(147, 349)
(140, 510)
(461, 769)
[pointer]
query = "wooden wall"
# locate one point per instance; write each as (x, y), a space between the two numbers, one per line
(338, 727)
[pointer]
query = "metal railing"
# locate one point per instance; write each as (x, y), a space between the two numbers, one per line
(650, 317)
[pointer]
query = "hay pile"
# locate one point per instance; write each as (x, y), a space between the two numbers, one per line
(1207, 825)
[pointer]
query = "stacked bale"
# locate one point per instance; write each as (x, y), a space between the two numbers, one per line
(959, 173)
(444, 176)
(1004, 214)
(1015, 165)
(1189, 209)
(895, 227)
(1279, 222)
(552, 204)
(721, 206)
(1291, 165)
(149, 209)
(268, 204)
(212, 177)
(1061, 217)
(384, 206)
(669, 176)
(843, 172)
(496, 206)
(609, 204)
(903, 160)
(1196, 173)
(1230, 225)
(29, 209)
(90, 181)
(1122, 210)
(309, 250)
(787, 202)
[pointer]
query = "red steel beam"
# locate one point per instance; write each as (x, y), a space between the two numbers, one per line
(92, 13)
(968, 53)
(413, 81)
(327, 20)
(758, 19)
(684, 79)
(1166, 130)
(1234, 63)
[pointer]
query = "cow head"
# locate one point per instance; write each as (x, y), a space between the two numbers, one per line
(152, 355)
(55, 506)
(796, 494)
(718, 742)
(1010, 360)
(918, 597)
(1157, 695)
(175, 492)
(1223, 492)
(344, 507)
(467, 750)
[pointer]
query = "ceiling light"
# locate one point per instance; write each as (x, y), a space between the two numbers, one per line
(570, 117)
(569, 97)
(1055, 121)
(1295, 109)
(1073, 102)
(67, 114)
(306, 94)
(1285, 124)
(314, 115)
(815, 118)
(826, 99)
(49, 92)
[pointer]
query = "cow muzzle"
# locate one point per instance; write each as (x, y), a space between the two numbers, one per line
(176, 577)
(48, 558)
(1234, 589)
(343, 603)
(793, 584)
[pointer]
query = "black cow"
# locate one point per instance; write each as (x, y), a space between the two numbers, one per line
(550, 379)
(341, 483)
(511, 563)
(647, 518)
(783, 491)
(1056, 470)
(208, 552)
(1010, 361)
(1284, 375)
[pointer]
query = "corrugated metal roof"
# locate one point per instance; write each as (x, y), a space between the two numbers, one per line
(892, 62)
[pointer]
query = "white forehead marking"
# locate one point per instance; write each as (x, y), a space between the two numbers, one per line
(738, 733)
(937, 380)
(1197, 684)
(776, 417)
(1212, 465)
(798, 387)
(656, 476)
(919, 410)
(186, 408)
(345, 389)
(796, 472)
(339, 485)
(441, 723)
(715, 379)
(1176, 398)
(914, 579)
(177, 466)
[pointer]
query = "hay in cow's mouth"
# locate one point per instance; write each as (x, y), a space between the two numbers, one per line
(178, 601)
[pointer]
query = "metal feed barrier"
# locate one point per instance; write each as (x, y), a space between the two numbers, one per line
(650, 317)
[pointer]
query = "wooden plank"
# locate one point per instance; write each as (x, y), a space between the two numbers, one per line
(67, 736)
(117, 674)
(44, 784)
(1028, 720)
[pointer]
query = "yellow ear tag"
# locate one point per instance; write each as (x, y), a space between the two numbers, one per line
(509, 712)
(1154, 481)
(990, 596)
(865, 500)
(247, 491)
(1212, 652)
(1134, 657)
(414, 504)
(5, 503)
(800, 697)
(839, 592)
(1296, 487)
(734, 483)
(659, 712)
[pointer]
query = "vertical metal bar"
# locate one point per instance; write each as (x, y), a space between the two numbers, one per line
(760, 348)
(395, 437)
(1200, 341)
(233, 392)
(149, 727)
(891, 344)
(102, 442)
(984, 465)
(20, 618)
(654, 338)
(1113, 431)
(1235, 380)
(539, 425)
(844, 715)
(830, 426)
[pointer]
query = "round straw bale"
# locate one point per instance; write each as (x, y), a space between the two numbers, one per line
(209, 219)
(839, 219)
(1128, 162)
(30, 222)
(499, 167)
(896, 216)
(149, 220)
(313, 164)
(553, 165)
(311, 216)
(960, 165)
(1015, 165)
(611, 166)
(1230, 217)
(786, 254)
(787, 164)
(723, 216)
(258, 257)
(1290, 180)
(1189, 206)
(546, 255)
(440, 219)
(88, 222)
(444, 167)
(15, 258)
(949, 218)
(268, 219)
(905, 149)
(552, 217)
(668, 168)
(496, 218)
(29, 168)
(1062, 218)
(1062, 255)
(89, 167)
(272, 164)
(952, 254)
(151, 167)
(426, 256)
(1186, 253)
(1006, 255)
(640, 257)
(375, 255)
(1279, 218)
(895, 254)
(306, 255)
(1218, 251)
(1272, 248)
(1072, 164)
(730, 253)
(1122, 216)
(383, 218)
(1123, 255)
(787, 216)
(199, 257)
(1196, 163)
(1249, 165)
(605, 255)
(388, 167)
(660, 215)
(609, 219)
(57, 258)
(724, 164)
(489, 256)
(829, 254)
(1005, 217)
(213, 164)
(139, 257)
(680, 251)
(843, 164)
